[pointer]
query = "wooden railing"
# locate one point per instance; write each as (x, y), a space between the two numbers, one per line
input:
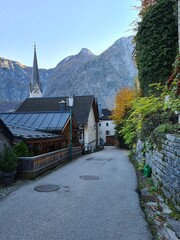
(32, 167)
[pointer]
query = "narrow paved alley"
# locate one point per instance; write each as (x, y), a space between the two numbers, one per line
(96, 200)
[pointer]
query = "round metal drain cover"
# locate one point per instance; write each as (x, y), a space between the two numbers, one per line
(47, 188)
(89, 177)
(89, 158)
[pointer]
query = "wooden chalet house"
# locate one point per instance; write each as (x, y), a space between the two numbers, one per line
(42, 132)
(85, 112)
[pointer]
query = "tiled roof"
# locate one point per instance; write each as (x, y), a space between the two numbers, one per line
(81, 107)
(53, 121)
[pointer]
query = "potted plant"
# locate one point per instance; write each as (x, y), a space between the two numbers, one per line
(8, 164)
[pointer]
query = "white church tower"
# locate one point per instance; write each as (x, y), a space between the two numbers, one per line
(35, 85)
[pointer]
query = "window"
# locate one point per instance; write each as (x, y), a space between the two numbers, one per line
(107, 124)
(107, 132)
(100, 124)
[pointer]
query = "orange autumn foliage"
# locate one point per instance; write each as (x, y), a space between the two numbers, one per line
(123, 102)
(147, 3)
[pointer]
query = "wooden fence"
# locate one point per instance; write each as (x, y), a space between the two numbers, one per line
(32, 167)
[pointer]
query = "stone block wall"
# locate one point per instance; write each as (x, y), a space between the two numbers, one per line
(165, 164)
(139, 154)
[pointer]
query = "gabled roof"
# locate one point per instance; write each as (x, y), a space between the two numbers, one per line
(106, 113)
(81, 107)
(53, 121)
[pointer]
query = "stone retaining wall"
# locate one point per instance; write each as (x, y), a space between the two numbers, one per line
(165, 164)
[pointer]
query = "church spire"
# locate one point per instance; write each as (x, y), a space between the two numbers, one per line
(35, 85)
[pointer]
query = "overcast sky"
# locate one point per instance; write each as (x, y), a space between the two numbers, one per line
(61, 28)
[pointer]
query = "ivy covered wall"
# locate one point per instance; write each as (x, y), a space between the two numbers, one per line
(157, 43)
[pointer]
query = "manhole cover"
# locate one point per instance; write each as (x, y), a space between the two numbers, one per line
(89, 159)
(100, 159)
(89, 177)
(47, 188)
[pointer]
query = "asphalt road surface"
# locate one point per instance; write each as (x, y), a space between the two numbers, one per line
(96, 201)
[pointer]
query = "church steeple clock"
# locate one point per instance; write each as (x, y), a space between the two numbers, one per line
(35, 85)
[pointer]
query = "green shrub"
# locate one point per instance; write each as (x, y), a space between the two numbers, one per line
(151, 118)
(8, 159)
(21, 149)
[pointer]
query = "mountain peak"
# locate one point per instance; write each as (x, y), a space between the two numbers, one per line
(85, 51)
(80, 74)
(6, 63)
(124, 39)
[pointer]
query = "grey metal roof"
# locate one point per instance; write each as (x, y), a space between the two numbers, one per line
(31, 134)
(52, 121)
(19, 132)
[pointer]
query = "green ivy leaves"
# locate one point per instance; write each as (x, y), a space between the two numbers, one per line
(157, 44)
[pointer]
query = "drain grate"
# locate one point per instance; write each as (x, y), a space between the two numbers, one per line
(89, 177)
(47, 188)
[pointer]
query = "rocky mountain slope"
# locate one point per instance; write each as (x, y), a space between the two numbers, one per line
(101, 75)
(15, 80)
(81, 74)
